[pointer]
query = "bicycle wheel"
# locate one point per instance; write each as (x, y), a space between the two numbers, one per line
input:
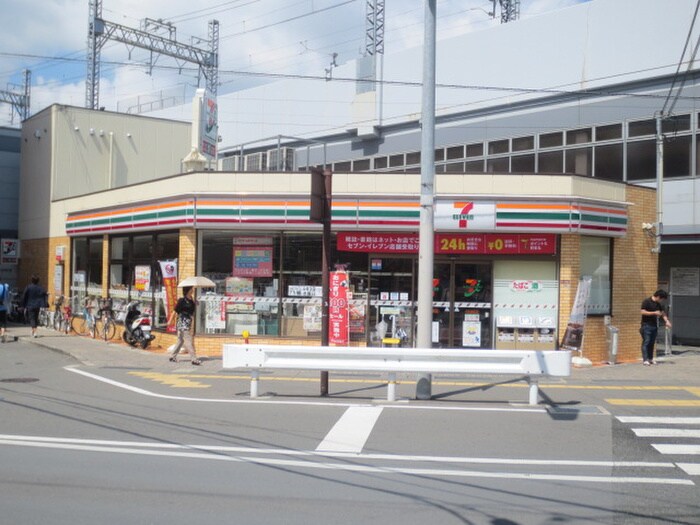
(79, 325)
(105, 329)
(57, 321)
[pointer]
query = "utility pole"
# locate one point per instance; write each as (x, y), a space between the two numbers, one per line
(100, 31)
(427, 197)
(510, 10)
(20, 102)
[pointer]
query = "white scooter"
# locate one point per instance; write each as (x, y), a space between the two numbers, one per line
(137, 327)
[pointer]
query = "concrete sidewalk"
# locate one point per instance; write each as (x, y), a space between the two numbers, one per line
(681, 367)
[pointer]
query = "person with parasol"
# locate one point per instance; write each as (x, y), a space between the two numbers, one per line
(185, 310)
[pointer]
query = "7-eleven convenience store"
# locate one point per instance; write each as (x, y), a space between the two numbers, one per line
(510, 251)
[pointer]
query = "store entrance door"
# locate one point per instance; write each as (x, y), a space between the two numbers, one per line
(461, 305)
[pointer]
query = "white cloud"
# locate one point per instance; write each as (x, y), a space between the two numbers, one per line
(291, 41)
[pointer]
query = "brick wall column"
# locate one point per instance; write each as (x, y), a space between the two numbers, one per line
(569, 275)
(187, 257)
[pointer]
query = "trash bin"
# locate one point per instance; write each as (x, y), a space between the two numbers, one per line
(613, 334)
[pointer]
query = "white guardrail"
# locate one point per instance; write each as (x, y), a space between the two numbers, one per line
(529, 363)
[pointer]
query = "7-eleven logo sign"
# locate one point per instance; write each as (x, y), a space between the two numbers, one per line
(464, 214)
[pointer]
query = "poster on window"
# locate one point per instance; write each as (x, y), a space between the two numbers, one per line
(471, 333)
(9, 253)
(214, 320)
(252, 257)
(312, 318)
(338, 325)
(573, 336)
(142, 278)
(238, 289)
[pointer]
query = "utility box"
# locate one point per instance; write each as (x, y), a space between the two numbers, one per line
(612, 336)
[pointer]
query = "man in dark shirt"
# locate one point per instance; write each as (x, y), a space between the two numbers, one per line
(651, 311)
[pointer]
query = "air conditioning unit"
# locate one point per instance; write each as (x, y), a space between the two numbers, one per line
(231, 163)
(256, 162)
(285, 161)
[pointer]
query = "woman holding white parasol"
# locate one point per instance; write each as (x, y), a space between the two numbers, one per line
(185, 310)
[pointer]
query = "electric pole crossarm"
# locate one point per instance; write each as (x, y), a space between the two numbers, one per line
(100, 30)
(164, 46)
(19, 101)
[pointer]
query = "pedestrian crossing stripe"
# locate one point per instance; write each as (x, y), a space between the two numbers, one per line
(673, 449)
(685, 403)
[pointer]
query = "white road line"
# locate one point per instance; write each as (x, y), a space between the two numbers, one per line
(667, 432)
(660, 420)
(351, 431)
(341, 404)
(691, 468)
(356, 468)
(327, 454)
(678, 449)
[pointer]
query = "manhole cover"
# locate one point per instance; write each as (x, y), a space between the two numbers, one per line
(19, 380)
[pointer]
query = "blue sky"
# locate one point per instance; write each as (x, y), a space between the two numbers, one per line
(289, 37)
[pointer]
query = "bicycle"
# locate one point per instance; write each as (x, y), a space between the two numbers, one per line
(84, 322)
(105, 326)
(63, 318)
(45, 319)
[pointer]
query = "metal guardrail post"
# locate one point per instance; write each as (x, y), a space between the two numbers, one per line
(254, 381)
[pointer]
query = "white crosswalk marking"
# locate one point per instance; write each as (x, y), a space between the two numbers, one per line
(679, 449)
(660, 420)
(691, 468)
(351, 431)
(667, 432)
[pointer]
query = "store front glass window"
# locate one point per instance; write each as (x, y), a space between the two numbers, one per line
(596, 263)
(271, 285)
(135, 272)
(86, 277)
(391, 295)
(245, 268)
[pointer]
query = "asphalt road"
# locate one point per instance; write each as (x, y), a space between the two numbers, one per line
(100, 442)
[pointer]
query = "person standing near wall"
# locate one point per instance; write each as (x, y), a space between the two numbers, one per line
(652, 310)
(34, 299)
(184, 309)
(4, 309)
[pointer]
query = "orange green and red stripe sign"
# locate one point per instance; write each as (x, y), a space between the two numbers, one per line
(351, 214)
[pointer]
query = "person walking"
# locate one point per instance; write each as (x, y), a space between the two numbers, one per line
(4, 308)
(184, 309)
(34, 299)
(652, 310)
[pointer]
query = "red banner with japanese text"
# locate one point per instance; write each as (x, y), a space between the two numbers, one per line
(338, 325)
(169, 270)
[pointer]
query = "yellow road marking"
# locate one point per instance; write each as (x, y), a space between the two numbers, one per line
(173, 380)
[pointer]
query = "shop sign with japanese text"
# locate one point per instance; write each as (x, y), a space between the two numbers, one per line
(252, 257)
(378, 242)
(495, 243)
(338, 326)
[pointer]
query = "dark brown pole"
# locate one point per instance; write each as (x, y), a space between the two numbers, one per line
(325, 269)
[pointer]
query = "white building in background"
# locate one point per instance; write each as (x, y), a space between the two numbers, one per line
(576, 90)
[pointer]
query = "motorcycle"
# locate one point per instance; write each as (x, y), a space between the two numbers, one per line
(137, 327)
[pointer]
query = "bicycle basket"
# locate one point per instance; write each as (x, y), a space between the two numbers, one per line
(106, 303)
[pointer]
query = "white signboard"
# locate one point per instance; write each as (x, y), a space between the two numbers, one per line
(685, 281)
(465, 216)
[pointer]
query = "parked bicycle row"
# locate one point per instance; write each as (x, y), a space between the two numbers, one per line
(91, 316)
